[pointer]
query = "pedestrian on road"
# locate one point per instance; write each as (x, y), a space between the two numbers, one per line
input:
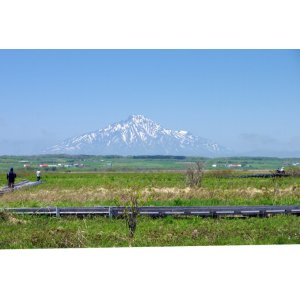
(11, 176)
(38, 175)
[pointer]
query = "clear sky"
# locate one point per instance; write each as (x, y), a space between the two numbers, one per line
(248, 100)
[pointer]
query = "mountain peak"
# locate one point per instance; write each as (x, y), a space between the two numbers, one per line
(138, 135)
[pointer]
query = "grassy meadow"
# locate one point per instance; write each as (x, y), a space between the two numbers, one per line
(159, 188)
(83, 187)
(25, 232)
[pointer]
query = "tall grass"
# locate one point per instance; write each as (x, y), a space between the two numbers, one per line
(44, 232)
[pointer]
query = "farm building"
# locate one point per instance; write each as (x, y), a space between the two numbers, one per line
(234, 166)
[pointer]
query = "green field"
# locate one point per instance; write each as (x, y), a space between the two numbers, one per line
(84, 187)
(69, 163)
(164, 188)
(44, 232)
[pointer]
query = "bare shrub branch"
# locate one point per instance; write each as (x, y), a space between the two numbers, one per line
(131, 211)
(194, 175)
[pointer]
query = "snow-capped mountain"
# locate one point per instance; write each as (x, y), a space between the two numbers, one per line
(139, 135)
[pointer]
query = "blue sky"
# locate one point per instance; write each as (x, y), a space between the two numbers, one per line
(248, 100)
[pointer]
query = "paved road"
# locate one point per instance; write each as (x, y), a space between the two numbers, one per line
(162, 211)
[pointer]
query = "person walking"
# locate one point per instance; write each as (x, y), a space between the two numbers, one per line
(38, 175)
(11, 176)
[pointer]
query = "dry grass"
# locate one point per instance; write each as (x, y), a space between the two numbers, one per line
(10, 218)
(88, 194)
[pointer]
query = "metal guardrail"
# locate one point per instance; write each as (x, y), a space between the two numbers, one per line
(161, 211)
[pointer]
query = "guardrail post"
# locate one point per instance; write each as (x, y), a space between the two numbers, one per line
(109, 212)
(262, 214)
(57, 212)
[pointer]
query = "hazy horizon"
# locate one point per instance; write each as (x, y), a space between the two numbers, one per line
(247, 100)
